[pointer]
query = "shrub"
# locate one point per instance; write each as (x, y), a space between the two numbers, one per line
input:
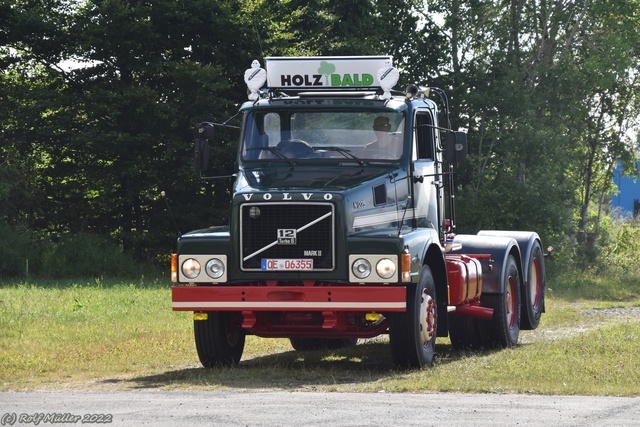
(19, 251)
(23, 255)
(88, 255)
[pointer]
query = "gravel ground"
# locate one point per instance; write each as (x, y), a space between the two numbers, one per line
(259, 409)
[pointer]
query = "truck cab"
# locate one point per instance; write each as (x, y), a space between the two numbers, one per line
(343, 224)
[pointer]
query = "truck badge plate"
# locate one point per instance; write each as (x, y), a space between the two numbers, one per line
(287, 236)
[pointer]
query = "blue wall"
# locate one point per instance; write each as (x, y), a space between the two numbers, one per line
(629, 191)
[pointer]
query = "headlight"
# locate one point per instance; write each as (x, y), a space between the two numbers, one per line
(361, 268)
(386, 268)
(191, 268)
(214, 268)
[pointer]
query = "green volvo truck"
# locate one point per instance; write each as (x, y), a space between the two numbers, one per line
(342, 224)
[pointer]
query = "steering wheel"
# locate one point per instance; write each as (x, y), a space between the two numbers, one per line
(295, 148)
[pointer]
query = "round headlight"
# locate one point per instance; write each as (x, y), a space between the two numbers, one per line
(385, 268)
(191, 268)
(361, 268)
(214, 268)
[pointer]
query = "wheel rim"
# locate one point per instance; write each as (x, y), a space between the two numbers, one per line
(535, 283)
(427, 318)
(511, 301)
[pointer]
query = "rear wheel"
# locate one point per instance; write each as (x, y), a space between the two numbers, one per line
(413, 333)
(219, 339)
(533, 290)
(466, 333)
(503, 329)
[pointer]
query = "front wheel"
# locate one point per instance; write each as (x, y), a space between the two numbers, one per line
(413, 333)
(219, 339)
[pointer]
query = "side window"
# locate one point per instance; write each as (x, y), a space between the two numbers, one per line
(272, 128)
(261, 132)
(424, 135)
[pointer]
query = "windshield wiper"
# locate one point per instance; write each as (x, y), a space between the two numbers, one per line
(273, 150)
(346, 153)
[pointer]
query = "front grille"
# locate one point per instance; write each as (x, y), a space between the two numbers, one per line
(287, 231)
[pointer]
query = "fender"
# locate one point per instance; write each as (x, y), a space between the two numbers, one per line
(499, 248)
(425, 249)
(533, 287)
(526, 241)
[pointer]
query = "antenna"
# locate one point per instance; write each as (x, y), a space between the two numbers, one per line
(173, 219)
(255, 26)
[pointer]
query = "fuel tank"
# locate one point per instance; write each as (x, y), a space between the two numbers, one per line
(465, 278)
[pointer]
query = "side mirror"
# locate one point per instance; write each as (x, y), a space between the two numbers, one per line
(456, 147)
(202, 132)
(201, 154)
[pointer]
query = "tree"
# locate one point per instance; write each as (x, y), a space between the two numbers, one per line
(104, 139)
(547, 95)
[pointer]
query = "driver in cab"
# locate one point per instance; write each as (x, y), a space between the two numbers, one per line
(386, 146)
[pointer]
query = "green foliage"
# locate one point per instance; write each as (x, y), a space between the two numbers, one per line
(19, 251)
(23, 254)
(592, 286)
(620, 254)
(548, 99)
(86, 255)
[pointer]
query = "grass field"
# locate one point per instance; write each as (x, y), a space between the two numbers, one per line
(118, 336)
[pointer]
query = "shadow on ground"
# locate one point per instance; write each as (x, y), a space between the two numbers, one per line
(362, 365)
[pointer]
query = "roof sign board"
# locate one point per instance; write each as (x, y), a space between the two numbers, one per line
(327, 72)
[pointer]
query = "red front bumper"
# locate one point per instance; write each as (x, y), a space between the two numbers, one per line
(289, 298)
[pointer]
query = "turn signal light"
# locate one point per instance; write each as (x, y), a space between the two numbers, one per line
(405, 258)
(174, 267)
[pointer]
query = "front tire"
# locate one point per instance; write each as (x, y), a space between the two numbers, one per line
(219, 339)
(413, 333)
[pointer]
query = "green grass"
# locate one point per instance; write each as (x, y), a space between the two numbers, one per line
(119, 335)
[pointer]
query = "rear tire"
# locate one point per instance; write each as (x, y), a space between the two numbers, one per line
(533, 291)
(466, 333)
(503, 329)
(413, 333)
(219, 339)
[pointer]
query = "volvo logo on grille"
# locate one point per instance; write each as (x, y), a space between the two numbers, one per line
(254, 212)
(289, 196)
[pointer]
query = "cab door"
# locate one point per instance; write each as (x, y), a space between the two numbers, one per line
(427, 173)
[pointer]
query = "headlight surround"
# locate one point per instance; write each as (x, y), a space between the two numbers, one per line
(215, 268)
(191, 268)
(361, 268)
(202, 268)
(386, 268)
(374, 268)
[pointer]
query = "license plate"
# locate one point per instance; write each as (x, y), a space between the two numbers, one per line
(287, 264)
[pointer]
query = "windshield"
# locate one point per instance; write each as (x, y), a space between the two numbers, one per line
(291, 135)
